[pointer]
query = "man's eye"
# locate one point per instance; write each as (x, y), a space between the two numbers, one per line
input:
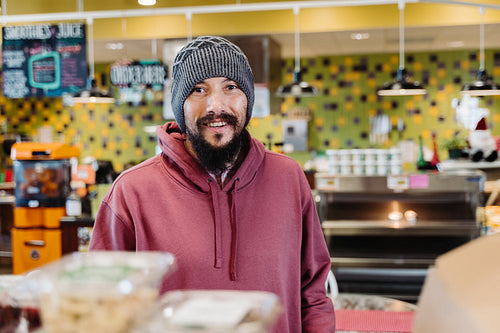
(197, 89)
(232, 86)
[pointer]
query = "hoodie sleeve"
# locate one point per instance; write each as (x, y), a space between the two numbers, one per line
(317, 308)
(110, 231)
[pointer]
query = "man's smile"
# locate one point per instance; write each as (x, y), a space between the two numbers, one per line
(216, 124)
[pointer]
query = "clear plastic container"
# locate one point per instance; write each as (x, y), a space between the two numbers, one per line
(205, 311)
(18, 306)
(99, 292)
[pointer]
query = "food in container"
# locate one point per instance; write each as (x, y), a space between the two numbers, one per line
(99, 292)
(18, 309)
(205, 311)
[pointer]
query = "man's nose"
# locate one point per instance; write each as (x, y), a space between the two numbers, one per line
(215, 101)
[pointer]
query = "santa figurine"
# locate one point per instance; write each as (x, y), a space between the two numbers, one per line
(482, 144)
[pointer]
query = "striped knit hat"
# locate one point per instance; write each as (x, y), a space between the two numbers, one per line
(207, 57)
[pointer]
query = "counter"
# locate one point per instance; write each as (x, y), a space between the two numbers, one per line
(491, 169)
(384, 232)
(76, 231)
(357, 313)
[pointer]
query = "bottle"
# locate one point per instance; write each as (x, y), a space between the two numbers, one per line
(435, 157)
(421, 162)
(73, 204)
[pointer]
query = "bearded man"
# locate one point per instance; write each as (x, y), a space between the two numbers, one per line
(235, 215)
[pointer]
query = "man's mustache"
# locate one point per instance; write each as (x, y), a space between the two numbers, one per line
(228, 118)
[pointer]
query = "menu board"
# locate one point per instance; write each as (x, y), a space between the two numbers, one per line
(43, 59)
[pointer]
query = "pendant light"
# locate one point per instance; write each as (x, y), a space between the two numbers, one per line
(403, 86)
(297, 88)
(92, 94)
(483, 86)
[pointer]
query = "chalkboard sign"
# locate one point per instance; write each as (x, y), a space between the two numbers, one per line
(43, 59)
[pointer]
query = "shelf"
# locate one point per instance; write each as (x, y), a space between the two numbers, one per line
(421, 228)
(7, 186)
(449, 165)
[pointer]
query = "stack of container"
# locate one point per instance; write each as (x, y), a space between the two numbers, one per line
(368, 162)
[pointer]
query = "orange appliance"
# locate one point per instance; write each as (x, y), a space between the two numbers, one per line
(42, 173)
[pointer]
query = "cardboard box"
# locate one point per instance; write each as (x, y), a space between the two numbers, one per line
(462, 291)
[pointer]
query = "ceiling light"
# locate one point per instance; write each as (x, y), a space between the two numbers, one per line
(360, 36)
(93, 95)
(458, 43)
(403, 86)
(297, 88)
(147, 2)
(114, 46)
(484, 85)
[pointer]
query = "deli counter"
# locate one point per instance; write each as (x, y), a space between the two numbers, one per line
(383, 232)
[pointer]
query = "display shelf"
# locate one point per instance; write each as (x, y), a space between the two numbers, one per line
(467, 164)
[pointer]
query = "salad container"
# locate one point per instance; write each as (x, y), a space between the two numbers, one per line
(99, 291)
(204, 311)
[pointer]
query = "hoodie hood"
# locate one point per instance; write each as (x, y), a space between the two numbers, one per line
(188, 172)
(171, 141)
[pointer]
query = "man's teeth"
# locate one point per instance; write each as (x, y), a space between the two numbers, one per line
(217, 124)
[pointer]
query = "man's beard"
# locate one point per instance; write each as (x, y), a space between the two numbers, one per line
(216, 159)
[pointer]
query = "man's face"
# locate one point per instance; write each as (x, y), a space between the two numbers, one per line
(215, 116)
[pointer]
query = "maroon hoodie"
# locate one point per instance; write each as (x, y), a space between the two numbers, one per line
(259, 232)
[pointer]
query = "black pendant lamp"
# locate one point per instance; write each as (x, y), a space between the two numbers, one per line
(403, 85)
(297, 88)
(484, 85)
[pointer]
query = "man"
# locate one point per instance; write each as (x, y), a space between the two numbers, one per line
(236, 216)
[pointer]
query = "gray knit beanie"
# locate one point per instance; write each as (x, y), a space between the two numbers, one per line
(207, 57)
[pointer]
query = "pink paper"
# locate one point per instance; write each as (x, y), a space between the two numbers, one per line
(419, 181)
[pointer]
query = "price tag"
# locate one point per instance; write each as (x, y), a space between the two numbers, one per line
(398, 182)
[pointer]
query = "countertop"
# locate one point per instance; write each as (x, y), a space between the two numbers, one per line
(372, 314)
(370, 302)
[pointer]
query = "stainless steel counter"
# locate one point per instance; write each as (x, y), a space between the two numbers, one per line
(383, 232)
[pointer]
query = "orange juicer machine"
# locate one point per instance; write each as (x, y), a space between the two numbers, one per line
(42, 173)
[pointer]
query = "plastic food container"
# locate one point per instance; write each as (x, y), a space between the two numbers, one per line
(99, 292)
(205, 311)
(18, 309)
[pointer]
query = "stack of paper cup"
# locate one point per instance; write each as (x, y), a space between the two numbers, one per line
(345, 162)
(396, 161)
(370, 161)
(357, 161)
(382, 162)
(333, 161)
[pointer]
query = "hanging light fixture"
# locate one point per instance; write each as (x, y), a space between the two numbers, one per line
(403, 86)
(146, 2)
(297, 88)
(93, 94)
(484, 85)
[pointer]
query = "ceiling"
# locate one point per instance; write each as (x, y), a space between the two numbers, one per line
(430, 25)
(333, 43)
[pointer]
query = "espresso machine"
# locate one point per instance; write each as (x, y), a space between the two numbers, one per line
(42, 173)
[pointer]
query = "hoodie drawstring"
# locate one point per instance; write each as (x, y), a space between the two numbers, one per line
(234, 233)
(217, 225)
(218, 229)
